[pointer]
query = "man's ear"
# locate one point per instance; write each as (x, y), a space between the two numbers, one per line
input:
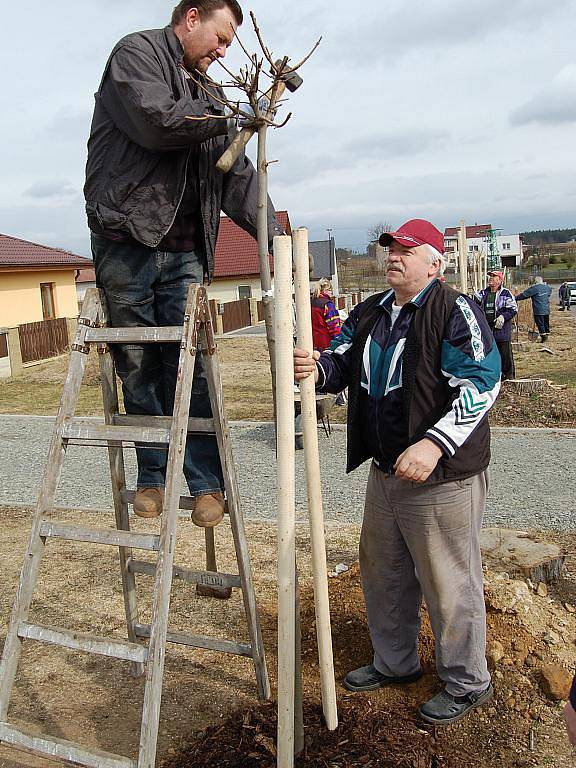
(192, 17)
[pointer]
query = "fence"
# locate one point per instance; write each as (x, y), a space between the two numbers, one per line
(47, 338)
(236, 315)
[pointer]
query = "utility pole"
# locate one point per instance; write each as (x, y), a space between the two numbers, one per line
(332, 259)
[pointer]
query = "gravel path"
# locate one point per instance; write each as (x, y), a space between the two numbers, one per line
(533, 474)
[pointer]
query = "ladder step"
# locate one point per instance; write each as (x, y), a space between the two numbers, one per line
(205, 578)
(194, 424)
(80, 641)
(79, 429)
(32, 741)
(140, 335)
(110, 536)
(198, 641)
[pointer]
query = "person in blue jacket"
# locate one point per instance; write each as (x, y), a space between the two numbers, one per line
(500, 308)
(540, 294)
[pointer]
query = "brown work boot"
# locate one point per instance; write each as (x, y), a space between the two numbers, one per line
(208, 510)
(148, 502)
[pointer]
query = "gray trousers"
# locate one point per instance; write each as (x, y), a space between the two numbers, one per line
(425, 539)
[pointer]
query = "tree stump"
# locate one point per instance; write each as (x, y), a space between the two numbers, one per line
(526, 386)
(517, 553)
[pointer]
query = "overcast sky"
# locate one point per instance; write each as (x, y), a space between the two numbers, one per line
(441, 109)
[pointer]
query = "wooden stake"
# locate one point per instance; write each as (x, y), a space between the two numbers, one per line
(263, 258)
(312, 463)
(286, 499)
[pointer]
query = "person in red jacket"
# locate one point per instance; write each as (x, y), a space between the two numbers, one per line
(326, 322)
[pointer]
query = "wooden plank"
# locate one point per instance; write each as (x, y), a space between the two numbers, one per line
(44, 339)
(236, 315)
(78, 429)
(108, 536)
(200, 641)
(196, 304)
(140, 334)
(205, 578)
(194, 424)
(214, 380)
(50, 746)
(118, 481)
(82, 641)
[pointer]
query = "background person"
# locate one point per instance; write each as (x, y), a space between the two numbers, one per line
(153, 201)
(564, 294)
(422, 370)
(326, 321)
(540, 294)
(500, 308)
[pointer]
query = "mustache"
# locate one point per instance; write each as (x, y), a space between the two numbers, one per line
(394, 268)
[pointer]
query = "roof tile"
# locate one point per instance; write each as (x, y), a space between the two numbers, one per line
(22, 253)
(237, 251)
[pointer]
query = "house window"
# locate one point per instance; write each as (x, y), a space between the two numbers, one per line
(505, 246)
(48, 303)
(244, 291)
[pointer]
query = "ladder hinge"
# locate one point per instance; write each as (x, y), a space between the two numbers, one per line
(83, 348)
(86, 321)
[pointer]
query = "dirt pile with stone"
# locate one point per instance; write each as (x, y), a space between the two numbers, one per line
(531, 654)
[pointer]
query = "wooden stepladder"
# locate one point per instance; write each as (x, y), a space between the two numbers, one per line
(195, 337)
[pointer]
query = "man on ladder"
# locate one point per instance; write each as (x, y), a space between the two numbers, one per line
(153, 201)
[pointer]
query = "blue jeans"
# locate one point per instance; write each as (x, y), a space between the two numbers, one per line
(146, 287)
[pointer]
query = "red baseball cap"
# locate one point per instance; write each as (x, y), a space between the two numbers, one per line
(415, 232)
(497, 273)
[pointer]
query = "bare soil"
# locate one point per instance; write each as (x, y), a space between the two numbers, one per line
(210, 715)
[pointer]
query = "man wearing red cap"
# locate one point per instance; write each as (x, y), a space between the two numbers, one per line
(500, 308)
(422, 370)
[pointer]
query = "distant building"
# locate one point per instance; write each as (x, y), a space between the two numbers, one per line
(509, 246)
(323, 255)
(37, 282)
(237, 268)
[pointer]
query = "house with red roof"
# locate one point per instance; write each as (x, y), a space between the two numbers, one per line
(237, 271)
(37, 282)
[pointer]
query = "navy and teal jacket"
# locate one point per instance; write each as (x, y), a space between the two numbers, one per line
(540, 294)
(435, 373)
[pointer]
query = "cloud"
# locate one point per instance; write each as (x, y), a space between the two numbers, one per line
(440, 25)
(393, 145)
(553, 105)
(49, 190)
(69, 123)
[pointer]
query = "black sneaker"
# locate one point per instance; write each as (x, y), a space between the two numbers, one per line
(369, 679)
(444, 708)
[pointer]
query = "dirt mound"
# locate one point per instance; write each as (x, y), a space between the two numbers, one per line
(366, 736)
(382, 729)
(554, 406)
